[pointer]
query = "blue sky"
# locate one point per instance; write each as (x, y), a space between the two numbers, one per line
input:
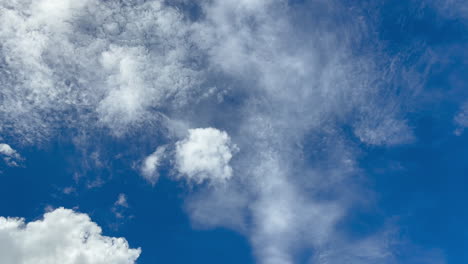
(253, 131)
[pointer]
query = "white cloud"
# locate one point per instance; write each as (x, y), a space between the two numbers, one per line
(383, 131)
(62, 237)
(304, 86)
(6, 150)
(69, 190)
(375, 249)
(122, 200)
(109, 63)
(120, 206)
(205, 155)
(10, 156)
(149, 167)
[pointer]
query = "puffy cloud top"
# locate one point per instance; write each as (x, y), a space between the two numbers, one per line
(62, 237)
(10, 156)
(6, 150)
(205, 155)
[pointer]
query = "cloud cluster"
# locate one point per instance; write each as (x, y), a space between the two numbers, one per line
(64, 237)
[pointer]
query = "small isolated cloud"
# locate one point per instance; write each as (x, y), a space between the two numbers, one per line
(461, 119)
(120, 206)
(10, 156)
(205, 155)
(64, 237)
(69, 190)
(149, 168)
(122, 200)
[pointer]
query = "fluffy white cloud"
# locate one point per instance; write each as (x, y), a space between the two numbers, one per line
(149, 167)
(6, 150)
(10, 156)
(62, 237)
(205, 155)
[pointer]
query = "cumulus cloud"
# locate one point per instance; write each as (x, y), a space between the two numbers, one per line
(10, 156)
(6, 150)
(62, 236)
(205, 155)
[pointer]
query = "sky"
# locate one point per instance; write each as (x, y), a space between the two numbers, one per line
(233, 131)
